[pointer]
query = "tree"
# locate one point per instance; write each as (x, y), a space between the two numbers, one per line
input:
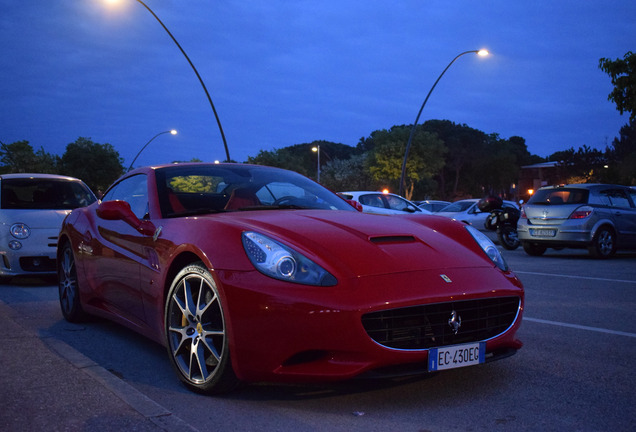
(621, 157)
(623, 75)
(426, 158)
(98, 165)
(584, 165)
(19, 157)
(347, 174)
(301, 158)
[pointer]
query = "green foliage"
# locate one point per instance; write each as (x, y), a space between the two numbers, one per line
(301, 158)
(386, 155)
(621, 157)
(195, 184)
(19, 157)
(584, 165)
(623, 75)
(347, 174)
(98, 165)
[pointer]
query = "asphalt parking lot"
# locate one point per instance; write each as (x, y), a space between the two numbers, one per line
(575, 371)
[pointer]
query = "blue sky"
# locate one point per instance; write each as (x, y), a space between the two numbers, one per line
(290, 72)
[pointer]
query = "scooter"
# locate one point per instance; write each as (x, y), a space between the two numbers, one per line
(502, 219)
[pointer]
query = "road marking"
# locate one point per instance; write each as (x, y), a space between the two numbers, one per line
(580, 327)
(577, 277)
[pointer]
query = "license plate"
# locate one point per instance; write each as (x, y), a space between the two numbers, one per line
(456, 356)
(542, 232)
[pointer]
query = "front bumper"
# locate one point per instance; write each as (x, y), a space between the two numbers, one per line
(36, 256)
(294, 333)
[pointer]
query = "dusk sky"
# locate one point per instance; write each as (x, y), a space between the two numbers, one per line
(289, 72)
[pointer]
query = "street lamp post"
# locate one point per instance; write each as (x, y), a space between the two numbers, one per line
(317, 150)
(481, 52)
(171, 131)
(218, 121)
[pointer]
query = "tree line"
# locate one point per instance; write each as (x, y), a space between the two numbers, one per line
(446, 161)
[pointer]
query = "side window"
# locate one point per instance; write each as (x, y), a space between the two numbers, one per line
(618, 198)
(373, 200)
(134, 191)
(396, 203)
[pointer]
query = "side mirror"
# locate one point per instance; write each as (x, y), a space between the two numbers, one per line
(120, 210)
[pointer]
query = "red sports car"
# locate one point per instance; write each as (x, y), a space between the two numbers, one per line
(252, 273)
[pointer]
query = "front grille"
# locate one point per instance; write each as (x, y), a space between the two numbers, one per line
(427, 326)
(37, 264)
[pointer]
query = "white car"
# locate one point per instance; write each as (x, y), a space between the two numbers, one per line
(32, 208)
(383, 202)
(466, 211)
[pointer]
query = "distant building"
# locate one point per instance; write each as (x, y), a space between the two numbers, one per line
(532, 177)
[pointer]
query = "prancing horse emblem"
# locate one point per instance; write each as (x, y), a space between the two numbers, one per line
(455, 322)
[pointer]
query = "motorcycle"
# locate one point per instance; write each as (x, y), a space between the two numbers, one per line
(502, 219)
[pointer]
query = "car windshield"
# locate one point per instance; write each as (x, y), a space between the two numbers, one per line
(197, 189)
(44, 194)
(458, 206)
(559, 196)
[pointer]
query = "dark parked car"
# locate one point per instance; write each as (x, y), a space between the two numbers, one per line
(599, 217)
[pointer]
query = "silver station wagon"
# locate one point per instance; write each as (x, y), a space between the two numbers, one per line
(599, 217)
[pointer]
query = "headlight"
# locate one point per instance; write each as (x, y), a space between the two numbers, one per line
(488, 247)
(281, 262)
(20, 231)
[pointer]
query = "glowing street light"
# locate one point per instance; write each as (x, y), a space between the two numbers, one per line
(481, 52)
(317, 150)
(218, 121)
(171, 131)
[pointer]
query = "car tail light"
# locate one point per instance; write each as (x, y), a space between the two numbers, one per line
(581, 212)
(523, 213)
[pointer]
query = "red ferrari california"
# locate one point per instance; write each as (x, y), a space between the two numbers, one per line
(249, 273)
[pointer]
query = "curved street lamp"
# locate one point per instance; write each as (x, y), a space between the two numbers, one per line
(481, 52)
(171, 131)
(218, 121)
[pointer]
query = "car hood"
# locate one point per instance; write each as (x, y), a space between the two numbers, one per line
(365, 243)
(35, 219)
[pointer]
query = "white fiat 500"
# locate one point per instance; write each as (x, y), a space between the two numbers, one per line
(32, 208)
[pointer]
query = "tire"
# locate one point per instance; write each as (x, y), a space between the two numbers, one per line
(68, 286)
(604, 243)
(533, 249)
(508, 237)
(196, 332)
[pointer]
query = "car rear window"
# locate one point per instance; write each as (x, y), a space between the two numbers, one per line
(43, 194)
(560, 196)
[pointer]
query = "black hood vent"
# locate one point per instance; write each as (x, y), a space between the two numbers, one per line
(392, 239)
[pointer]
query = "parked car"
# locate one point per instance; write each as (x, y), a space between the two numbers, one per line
(599, 217)
(32, 207)
(252, 273)
(467, 211)
(432, 205)
(383, 202)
